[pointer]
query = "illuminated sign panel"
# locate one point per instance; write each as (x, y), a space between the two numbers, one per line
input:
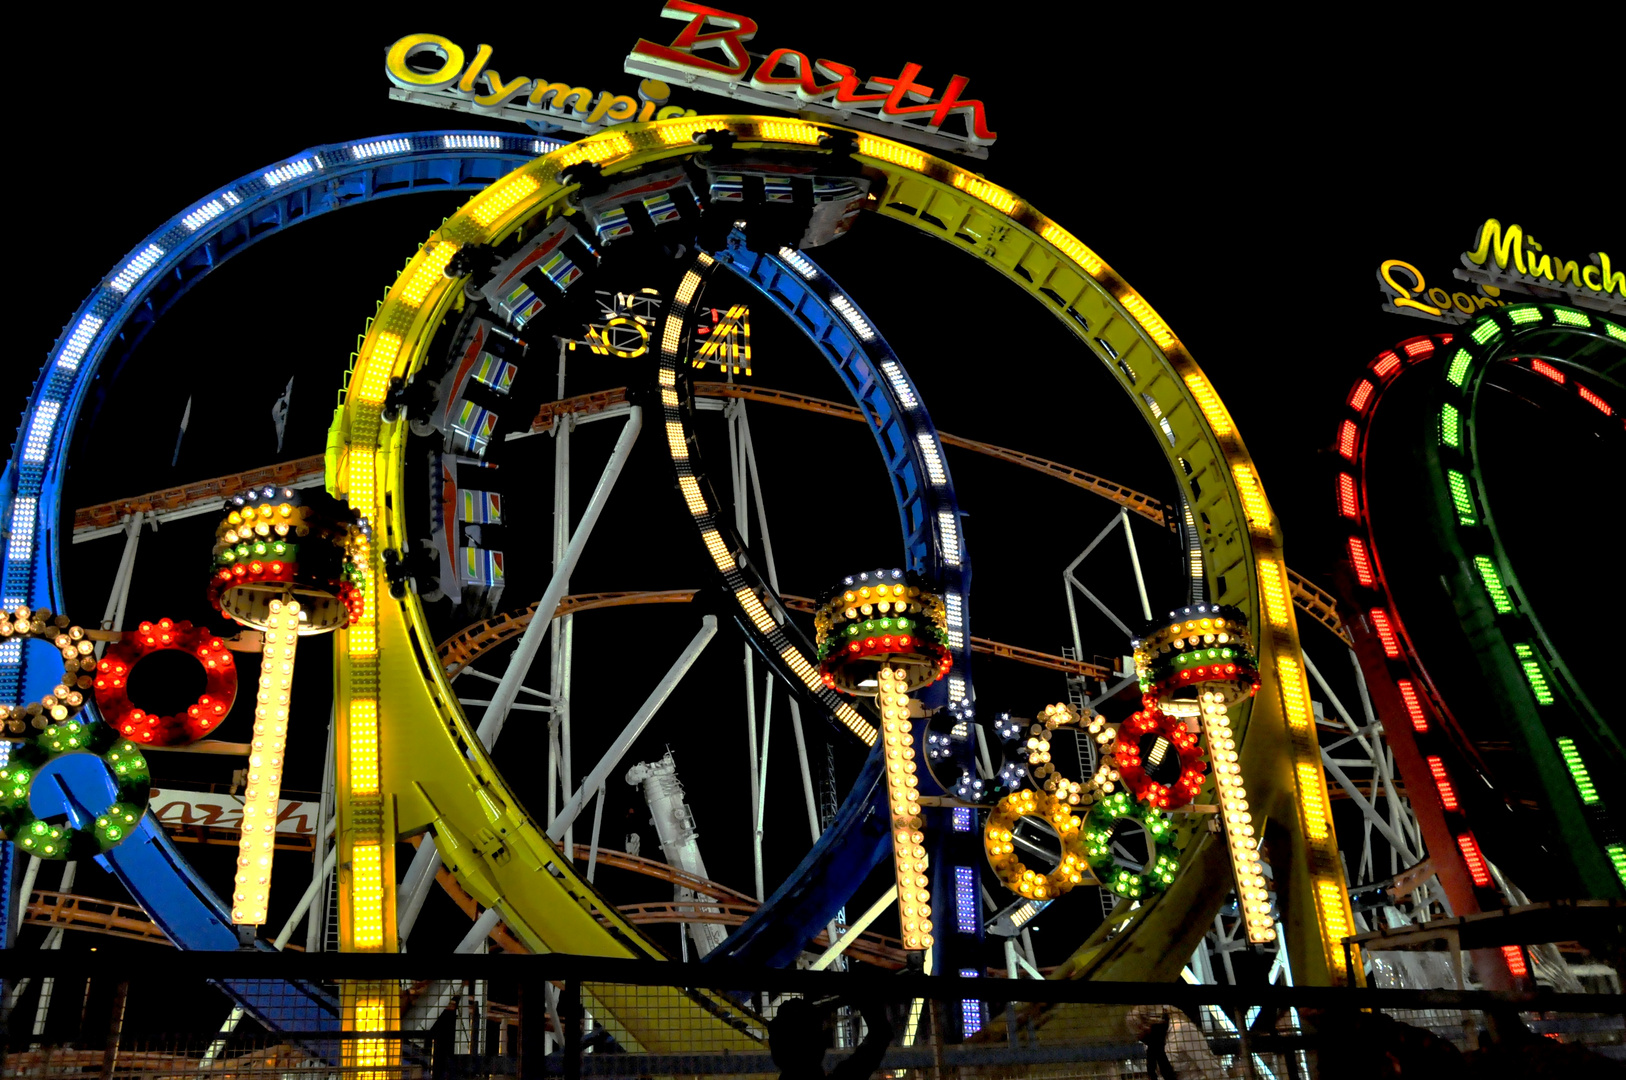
(1504, 258)
(899, 107)
(429, 69)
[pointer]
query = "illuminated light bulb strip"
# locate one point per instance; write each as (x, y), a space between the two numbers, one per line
(790, 131)
(137, 268)
(40, 429)
(597, 151)
(1149, 320)
(1442, 781)
(21, 544)
(1547, 370)
(932, 457)
(1521, 315)
(1347, 439)
(377, 367)
(1594, 400)
(79, 343)
(948, 537)
(997, 197)
(267, 751)
(1333, 908)
(1311, 805)
(900, 385)
(1515, 961)
(1213, 409)
(1578, 770)
(1461, 498)
(1361, 563)
(745, 595)
(1419, 349)
(1236, 821)
(1414, 706)
(380, 147)
(363, 748)
(1476, 862)
(203, 215)
(374, 1007)
(1493, 584)
(1387, 364)
(1450, 425)
(429, 272)
(1073, 248)
(1295, 694)
(1361, 395)
(798, 262)
(1459, 366)
(1617, 859)
(1274, 589)
(1253, 499)
(903, 795)
(1347, 503)
(1485, 331)
(1385, 632)
(892, 153)
(854, 319)
(367, 897)
(497, 200)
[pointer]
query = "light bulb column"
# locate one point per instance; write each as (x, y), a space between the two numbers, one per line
(267, 753)
(883, 633)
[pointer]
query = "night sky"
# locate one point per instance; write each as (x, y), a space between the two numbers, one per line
(1248, 192)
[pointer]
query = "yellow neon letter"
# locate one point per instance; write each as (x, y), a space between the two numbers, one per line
(398, 60)
(561, 93)
(1492, 241)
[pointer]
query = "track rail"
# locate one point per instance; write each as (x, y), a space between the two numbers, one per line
(1242, 551)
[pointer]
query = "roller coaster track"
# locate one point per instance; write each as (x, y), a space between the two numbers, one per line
(71, 911)
(468, 644)
(210, 493)
(1445, 762)
(716, 903)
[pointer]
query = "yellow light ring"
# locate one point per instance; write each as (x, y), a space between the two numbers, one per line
(1029, 249)
(998, 840)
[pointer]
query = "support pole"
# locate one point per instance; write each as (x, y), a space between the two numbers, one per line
(635, 727)
(1134, 561)
(325, 819)
(858, 926)
(807, 775)
(113, 615)
(508, 689)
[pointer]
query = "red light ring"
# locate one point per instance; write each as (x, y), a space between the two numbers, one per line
(1132, 773)
(111, 685)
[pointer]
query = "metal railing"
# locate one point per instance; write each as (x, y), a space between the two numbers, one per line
(555, 1015)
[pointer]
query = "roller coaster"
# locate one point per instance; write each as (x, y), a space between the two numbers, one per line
(742, 202)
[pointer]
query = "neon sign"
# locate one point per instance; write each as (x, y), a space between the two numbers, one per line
(429, 69)
(1407, 292)
(900, 107)
(1510, 256)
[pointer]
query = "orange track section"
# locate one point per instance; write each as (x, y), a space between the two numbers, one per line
(1311, 599)
(74, 912)
(464, 647)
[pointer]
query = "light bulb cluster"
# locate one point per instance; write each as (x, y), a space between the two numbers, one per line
(166, 635)
(999, 842)
(1158, 759)
(22, 624)
(878, 616)
(1102, 827)
(903, 796)
(267, 753)
(1236, 822)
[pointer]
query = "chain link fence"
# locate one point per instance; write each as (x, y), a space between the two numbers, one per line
(291, 1017)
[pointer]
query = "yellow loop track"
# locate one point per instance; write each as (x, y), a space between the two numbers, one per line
(408, 758)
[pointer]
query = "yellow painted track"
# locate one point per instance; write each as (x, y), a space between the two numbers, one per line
(432, 773)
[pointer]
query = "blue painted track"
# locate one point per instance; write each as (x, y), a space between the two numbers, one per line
(107, 325)
(111, 322)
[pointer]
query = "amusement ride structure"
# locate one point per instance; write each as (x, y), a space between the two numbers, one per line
(1201, 810)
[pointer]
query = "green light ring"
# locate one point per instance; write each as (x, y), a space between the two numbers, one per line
(1509, 634)
(132, 781)
(1100, 824)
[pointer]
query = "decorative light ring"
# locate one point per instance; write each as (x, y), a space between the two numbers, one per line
(270, 544)
(889, 616)
(78, 661)
(1041, 768)
(1171, 736)
(1199, 645)
(998, 840)
(1100, 829)
(166, 635)
(132, 782)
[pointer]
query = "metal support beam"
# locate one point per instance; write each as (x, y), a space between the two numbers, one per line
(635, 727)
(530, 641)
(858, 926)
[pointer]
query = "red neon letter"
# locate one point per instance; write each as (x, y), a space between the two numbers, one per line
(976, 124)
(680, 54)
